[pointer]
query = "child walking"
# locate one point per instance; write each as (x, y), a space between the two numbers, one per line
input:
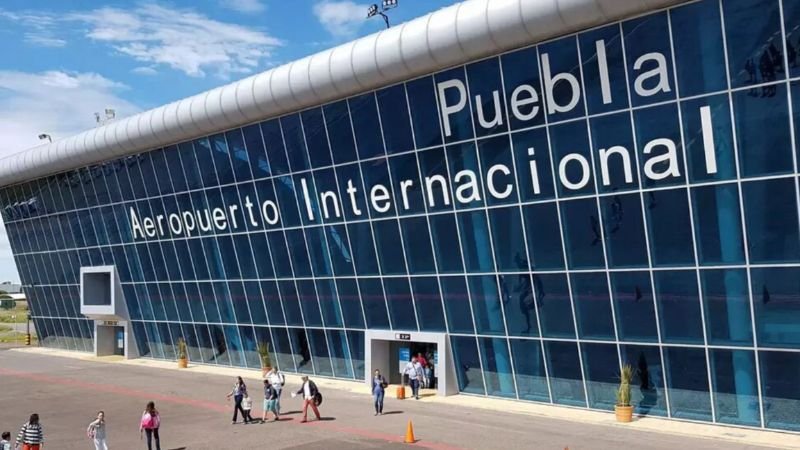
(5, 441)
(247, 405)
(97, 432)
(270, 400)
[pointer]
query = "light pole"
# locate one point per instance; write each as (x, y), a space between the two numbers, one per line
(385, 5)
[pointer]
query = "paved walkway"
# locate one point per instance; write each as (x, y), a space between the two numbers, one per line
(67, 391)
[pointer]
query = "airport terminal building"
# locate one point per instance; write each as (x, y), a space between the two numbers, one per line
(533, 192)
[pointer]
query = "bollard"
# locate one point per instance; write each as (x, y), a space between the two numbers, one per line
(28, 339)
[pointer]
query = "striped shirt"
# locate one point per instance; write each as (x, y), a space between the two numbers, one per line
(30, 434)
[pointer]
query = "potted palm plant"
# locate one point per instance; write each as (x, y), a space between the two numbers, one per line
(263, 354)
(623, 408)
(183, 356)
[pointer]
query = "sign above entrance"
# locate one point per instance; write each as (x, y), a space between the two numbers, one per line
(110, 323)
(402, 336)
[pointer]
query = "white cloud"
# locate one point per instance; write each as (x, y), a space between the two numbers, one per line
(342, 19)
(181, 39)
(40, 28)
(57, 103)
(147, 71)
(244, 6)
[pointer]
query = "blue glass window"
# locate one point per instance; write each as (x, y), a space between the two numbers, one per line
(465, 175)
(709, 119)
(779, 389)
(592, 305)
(457, 305)
(424, 114)
(350, 301)
(561, 79)
(239, 156)
(753, 30)
(307, 294)
(727, 306)
(374, 303)
(519, 303)
(582, 234)
(291, 302)
(776, 299)
(633, 306)
(316, 138)
(626, 244)
(529, 370)
(647, 387)
(272, 303)
(366, 124)
(301, 351)
(572, 152)
(408, 192)
(699, 53)
(614, 152)
(553, 301)
(401, 304)
(687, 381)
(475, 243)
(276, 151)
(376, 175)
(340, 353)
(534, 171)
(669, 226)
(428, 302)
(451, 92)
(363, 248)
(602, 60)
(486, 95)
(718, 224)
(601, 365)
(658, 135)
(352, 191)
(256, 154)
(294, 139)
(733, 378)
(486, 304)
(763, 153)
(498, 165)
(769, 205)
(340, 132)
(497, 367)
(679, 306)
(418, 247)
(543, 231)
(564, 366)
(521, 78)
(468, 365)
(648, 54)
(508, 239)
(394, 117)
(319, 353)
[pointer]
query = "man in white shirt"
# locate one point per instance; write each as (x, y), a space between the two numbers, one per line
(414, 377)
(277, 380)
(308, 391)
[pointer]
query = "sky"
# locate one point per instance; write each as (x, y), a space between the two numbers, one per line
(62, 61)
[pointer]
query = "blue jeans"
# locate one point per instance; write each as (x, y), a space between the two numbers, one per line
(378, 397)
(415, 388)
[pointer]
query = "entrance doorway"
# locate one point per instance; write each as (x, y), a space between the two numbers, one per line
(390, 352)
(111, 338)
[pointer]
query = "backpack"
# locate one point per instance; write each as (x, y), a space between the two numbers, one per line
(150, 422)
(317, 398)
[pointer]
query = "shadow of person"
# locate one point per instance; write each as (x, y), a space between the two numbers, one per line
(392, 412)
(646, 387)
(327, 419)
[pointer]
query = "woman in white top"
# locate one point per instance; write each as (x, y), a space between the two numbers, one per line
(97, 432)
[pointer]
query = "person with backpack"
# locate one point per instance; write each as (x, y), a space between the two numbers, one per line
(31, 436)
(238, 393)
(97, 432)
(270, 400)
(311, 397)
(277, 381)
(150, 423)
(5, 441)
(379, 385)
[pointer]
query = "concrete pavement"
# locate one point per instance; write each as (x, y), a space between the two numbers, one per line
(67, 392)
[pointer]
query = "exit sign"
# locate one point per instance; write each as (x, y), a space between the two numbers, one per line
(402, 336)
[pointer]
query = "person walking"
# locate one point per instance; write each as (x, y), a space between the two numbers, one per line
(413, 376)
(150, 423)
(270, 400)
(309, 392)
(5, 440)
(31, 435)
(424, 363)
(97, 432)
(247, 406)
(379, 385)
(419, 373)
(277, 380)
(238, 393)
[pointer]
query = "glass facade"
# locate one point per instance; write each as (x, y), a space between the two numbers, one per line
(628, 194)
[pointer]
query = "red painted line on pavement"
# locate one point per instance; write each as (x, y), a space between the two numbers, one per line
(109, 388)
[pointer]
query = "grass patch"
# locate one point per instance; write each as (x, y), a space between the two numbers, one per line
(13, 315)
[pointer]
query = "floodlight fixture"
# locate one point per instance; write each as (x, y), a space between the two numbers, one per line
(44, 136)
(373, 10)
(385, 5)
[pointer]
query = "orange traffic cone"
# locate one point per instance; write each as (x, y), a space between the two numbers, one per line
(410, 439)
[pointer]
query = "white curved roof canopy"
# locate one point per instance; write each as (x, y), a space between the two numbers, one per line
(450, 36)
